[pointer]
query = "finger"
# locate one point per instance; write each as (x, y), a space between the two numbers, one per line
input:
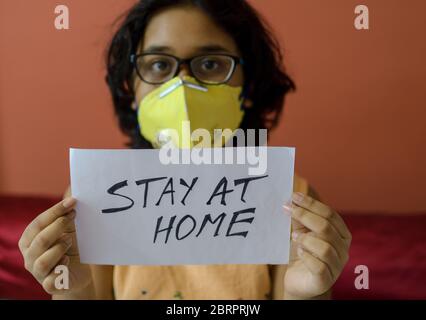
(43, 220)
(295, 225)
(49, 282)
(65, 261)
(323, 229)
(44, 264)
(324, 211)
(49, 235)
(315, 223)
(315, 265)
(321, 250)
(73, 251)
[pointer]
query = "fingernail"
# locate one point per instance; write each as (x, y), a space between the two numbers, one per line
(294, 235)
(68, 202)
(298, 197)
(300, 251)
(287, 208)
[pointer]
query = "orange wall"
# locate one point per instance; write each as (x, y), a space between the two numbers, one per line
(357, 119)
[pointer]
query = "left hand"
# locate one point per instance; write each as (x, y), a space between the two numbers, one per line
(319, 249)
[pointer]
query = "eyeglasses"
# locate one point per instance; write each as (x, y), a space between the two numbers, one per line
(158, 68)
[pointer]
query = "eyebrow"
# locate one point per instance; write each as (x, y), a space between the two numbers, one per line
(154, 49)
(213, 48)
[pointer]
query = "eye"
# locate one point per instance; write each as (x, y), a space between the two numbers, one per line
(210, 65)
(160, 66)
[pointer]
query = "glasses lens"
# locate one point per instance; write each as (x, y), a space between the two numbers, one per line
(213, 68)
(156, 68)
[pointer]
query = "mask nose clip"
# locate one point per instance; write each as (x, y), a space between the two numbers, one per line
(179, 83)
(170, 89)
(194, 86)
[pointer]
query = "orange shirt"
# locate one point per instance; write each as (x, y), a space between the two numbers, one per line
(202, 281)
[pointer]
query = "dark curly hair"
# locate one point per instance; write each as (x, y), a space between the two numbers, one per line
(266, 82)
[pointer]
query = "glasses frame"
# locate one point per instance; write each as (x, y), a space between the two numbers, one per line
(180, 62)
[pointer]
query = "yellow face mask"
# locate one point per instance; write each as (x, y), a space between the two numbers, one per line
(174, 112)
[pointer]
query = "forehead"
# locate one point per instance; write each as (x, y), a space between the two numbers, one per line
(186, 31)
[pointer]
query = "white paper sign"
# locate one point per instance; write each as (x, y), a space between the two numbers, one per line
(134, 210)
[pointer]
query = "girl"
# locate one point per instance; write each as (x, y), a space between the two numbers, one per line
(217, 43)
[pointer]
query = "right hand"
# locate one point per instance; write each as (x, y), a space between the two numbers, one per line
(50, 240)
